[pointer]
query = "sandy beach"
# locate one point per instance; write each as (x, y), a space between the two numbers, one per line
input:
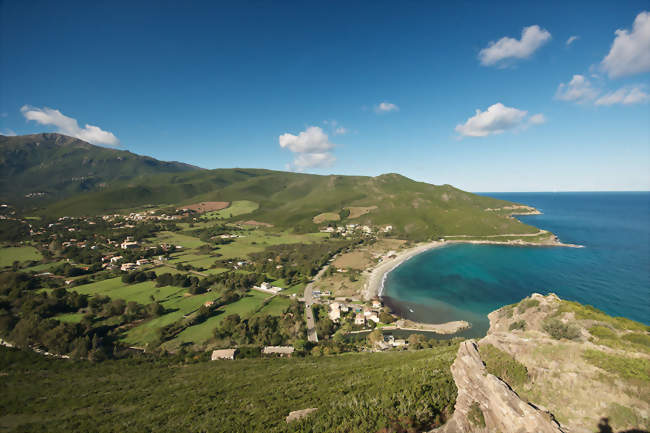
(375, 283)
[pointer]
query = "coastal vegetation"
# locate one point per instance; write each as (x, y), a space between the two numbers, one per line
(394, 391)
(503, 365)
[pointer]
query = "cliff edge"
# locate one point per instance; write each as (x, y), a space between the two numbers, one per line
(550, 365)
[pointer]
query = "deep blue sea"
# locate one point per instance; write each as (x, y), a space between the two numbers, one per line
(466, 282)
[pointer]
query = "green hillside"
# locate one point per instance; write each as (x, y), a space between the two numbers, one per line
(60, 166)
(416, 210)
(353, 392)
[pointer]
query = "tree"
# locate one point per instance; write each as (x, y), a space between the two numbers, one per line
(375, 337)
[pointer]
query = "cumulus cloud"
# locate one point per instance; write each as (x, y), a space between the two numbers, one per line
(340, 130)
(386, 107)
(311, 147)
(69, 126)
(572, 39)
(625, 96)
(630, 51)
(506, 48)
(321, 159)
(579, 89)
(497, 119)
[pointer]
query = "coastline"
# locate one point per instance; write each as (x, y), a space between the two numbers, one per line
(375, 285)
(515, 242)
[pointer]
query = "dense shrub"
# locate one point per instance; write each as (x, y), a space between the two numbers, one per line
(518, 325)
(559, 330)
(526, 304)
(503, 365)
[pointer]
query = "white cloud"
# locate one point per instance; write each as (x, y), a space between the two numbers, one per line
(625, 96)
(69, 126)
(506, 48)
(341, 131)
(306, 160)
(311, 140)
(579, 89)
(386, 107)
(630, 51)
(537, 119)
(495, 120)
(572, 39)
(8, 132)
(311, 146)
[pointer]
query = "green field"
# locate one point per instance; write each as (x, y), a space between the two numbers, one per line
(353, 392)
(236, 208)
(275, 307)
(187, 242)
(70, 317)
(254, 241)
(21, 254)
(116, 289)
(43, 267)
(202, 332)
(179, 305)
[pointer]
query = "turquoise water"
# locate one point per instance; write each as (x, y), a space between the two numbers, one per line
(466, 282)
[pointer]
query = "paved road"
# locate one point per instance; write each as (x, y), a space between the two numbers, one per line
(309, 300)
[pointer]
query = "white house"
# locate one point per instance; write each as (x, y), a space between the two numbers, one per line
(223, 354)
(335, 312)
(359, 319)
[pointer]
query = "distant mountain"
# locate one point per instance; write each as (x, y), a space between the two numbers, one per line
(40, 168)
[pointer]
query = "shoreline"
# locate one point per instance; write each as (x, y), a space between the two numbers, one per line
(515, 242)
(374, 287)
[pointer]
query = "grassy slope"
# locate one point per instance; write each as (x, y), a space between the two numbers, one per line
(416, 210)
(354, 392)
(62, 166)
(22, 254)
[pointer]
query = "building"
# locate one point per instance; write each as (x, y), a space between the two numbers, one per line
(376, 303)
(223, 354)
(278, 350)
(335, 312)
(116, 259)
(359, 319)
(127, 245)
(269, 288)
(127, 266)
(141, 262)
(373, 316)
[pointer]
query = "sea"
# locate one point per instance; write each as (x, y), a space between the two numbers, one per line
(466, 282)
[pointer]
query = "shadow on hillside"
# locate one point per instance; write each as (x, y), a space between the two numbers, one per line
(604, 427)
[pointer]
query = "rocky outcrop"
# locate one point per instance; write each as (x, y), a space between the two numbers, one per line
(485, 403)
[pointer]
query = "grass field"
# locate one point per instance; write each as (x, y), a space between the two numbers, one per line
(275, 307)
(70, 317)
(236, 208)
(257, 240)
(21, 254)
(116, 289)
(179, 305)
(198, 334)
(43, 267)
(173, 238)
(353, 392)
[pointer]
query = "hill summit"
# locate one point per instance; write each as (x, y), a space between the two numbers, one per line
(52, 166)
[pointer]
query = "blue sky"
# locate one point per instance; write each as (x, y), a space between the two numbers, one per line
(235, 85)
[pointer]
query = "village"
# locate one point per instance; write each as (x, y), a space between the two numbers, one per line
(220, 264)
